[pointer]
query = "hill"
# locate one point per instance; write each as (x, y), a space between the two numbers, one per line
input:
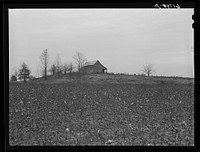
(115, 78)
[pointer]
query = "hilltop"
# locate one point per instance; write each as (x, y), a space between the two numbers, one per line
(115, 78)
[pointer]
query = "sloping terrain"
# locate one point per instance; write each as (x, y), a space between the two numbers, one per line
(117, 79)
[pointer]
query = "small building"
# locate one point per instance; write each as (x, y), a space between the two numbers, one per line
(93, 67)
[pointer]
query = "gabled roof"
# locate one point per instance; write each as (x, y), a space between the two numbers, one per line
(90, 63)
(93, 63)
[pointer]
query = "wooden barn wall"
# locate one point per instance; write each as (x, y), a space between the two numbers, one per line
(97, 68)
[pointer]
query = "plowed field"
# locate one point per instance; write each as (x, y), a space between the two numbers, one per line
(101, 114)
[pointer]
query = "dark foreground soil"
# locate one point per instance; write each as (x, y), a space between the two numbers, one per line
(104, 114)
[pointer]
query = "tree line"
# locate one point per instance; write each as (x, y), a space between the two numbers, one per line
(56, 68)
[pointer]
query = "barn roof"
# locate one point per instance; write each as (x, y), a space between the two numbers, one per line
(90, 63)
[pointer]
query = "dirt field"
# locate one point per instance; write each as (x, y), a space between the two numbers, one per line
(101, 114)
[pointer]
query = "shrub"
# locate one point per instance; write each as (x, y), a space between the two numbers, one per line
(13, 78)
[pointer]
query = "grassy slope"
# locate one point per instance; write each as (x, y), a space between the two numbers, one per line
(117, 78)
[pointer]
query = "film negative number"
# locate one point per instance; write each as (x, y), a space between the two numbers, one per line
(167, 6)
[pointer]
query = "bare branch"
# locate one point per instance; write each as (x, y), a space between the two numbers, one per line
(58, 65)
(80, 60)
(148, 69)
(44, 58)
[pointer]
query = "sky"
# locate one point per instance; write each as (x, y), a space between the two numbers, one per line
(123, 40)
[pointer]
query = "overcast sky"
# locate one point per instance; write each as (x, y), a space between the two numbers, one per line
(121, 39)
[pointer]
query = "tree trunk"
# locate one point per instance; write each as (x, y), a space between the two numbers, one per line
(45, 73)
(24, 80)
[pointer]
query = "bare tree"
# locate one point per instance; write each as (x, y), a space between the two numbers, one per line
(70, 69)
(24, 72)
(148, 69)
(44, 61)
(65, 68)
(58, 65)
(53, 69)
(80, 60)
(38, 71)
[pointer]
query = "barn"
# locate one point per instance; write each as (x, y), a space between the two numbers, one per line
(93, 67)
